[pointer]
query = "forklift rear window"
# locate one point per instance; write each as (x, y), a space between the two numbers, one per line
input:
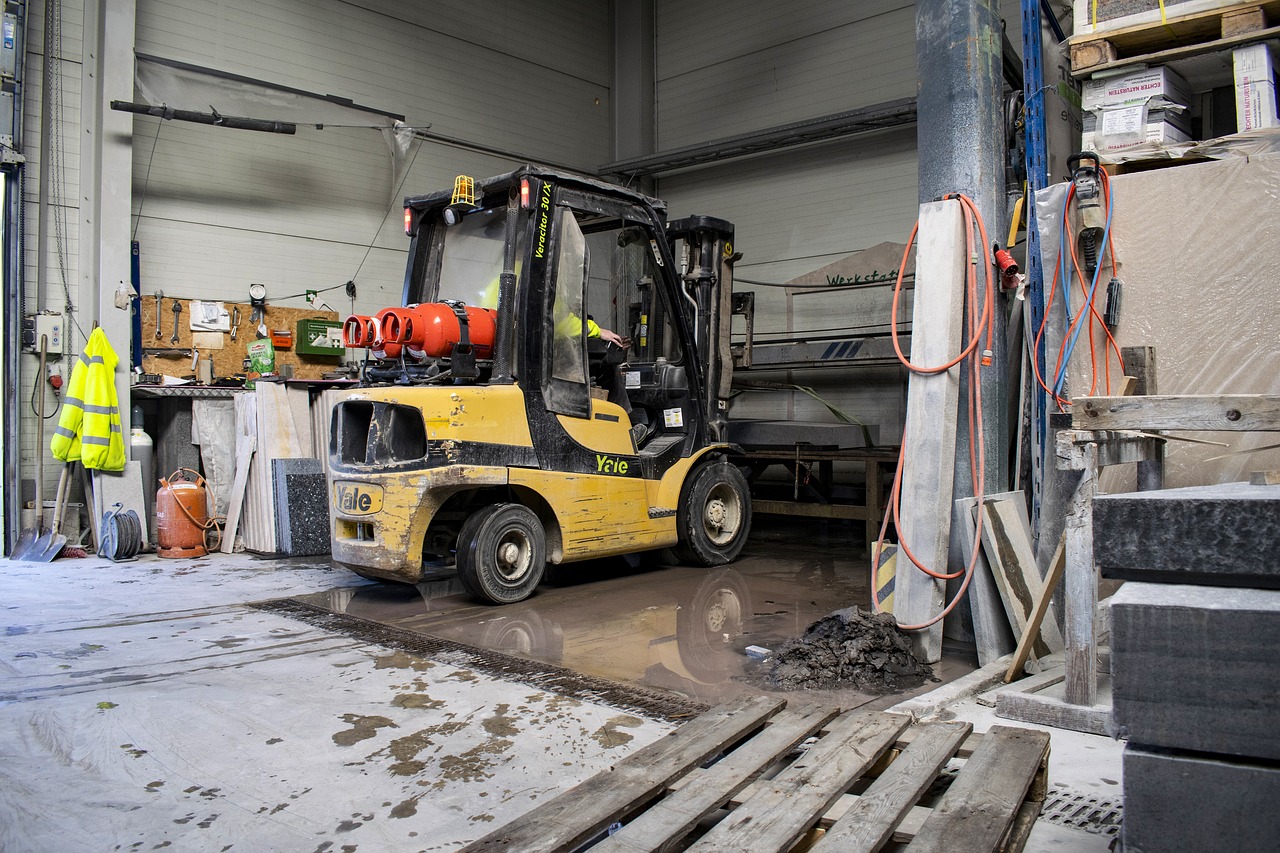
(471, 258)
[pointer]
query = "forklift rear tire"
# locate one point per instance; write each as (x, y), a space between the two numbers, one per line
(714, 516)
(502, 553)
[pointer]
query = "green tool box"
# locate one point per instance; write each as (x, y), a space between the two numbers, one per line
(319, 337)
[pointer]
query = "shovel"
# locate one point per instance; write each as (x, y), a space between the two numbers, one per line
(29, 535)
(50, 545)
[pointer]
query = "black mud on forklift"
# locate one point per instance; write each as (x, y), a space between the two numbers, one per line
(497, 429)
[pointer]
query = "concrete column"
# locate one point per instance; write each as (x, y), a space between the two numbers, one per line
(106, 177)
(960, 140)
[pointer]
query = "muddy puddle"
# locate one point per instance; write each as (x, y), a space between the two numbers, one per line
(655, 625)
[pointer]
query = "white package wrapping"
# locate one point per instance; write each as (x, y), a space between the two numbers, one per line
(1198, 251)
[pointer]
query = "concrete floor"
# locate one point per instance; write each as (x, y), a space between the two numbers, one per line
(146, 705)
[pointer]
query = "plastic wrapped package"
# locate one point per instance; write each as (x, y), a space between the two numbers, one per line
(1198, 250)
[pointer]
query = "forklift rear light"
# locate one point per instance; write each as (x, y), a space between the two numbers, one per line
(408, 221)
(525, 193)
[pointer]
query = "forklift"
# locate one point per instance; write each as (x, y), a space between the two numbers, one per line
(496, 429)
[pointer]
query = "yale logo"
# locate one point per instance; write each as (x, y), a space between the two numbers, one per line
(357, 498)
(609, 465)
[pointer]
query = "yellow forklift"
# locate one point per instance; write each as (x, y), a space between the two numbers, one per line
(499, 427)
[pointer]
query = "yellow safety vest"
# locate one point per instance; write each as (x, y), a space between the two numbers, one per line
(89, 427)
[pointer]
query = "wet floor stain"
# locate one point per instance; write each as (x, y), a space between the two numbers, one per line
(417, 700)
(406, 808)
(609, 736)
(475, 764)
(362, 728)
(402, 660)
(405, 750)
(500, 725)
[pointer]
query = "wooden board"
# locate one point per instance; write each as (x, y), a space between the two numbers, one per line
(229, 359)
(1006, 538)
(676, 814)
(586, 809)
(929, 438)
(869, 823)
(1234, 412)
(780, 813)
(978, 809)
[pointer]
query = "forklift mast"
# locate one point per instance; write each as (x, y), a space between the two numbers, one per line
(706, 275)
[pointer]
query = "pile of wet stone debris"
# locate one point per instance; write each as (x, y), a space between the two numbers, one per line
(850, 648)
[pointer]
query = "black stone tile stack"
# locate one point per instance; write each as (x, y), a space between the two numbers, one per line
(1195, 642)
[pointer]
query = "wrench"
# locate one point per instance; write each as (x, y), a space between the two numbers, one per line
(177, 310)
(159, 298)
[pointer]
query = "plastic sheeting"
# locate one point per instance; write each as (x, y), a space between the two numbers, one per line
(1198, 250)
(190, 88)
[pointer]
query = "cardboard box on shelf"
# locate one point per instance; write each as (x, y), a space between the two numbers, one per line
(1140, 85)
(1117, 148)
(1255, 86)
(1132, 116)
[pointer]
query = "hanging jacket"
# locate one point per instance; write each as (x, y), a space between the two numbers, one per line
(89, 427)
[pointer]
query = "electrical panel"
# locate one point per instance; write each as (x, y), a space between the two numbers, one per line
(50, 326)
(8, 45)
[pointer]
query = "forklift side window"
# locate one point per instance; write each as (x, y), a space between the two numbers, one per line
(567, 348)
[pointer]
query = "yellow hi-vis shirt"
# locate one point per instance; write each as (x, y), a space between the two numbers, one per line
(89, 428)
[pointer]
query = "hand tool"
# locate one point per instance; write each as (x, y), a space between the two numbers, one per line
(159, 299)
(177, 310)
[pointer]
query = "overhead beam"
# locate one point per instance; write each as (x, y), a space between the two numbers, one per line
(862, 120)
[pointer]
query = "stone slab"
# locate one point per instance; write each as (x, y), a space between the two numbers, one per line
(1196, 667)
(302, 507)
(1223, 535)
(1175, 802)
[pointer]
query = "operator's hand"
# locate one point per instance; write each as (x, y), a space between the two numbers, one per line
(614, 338)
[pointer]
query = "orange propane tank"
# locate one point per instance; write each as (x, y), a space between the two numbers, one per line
(359, 331)
(182, 516)
(390, 327)
(435, 329)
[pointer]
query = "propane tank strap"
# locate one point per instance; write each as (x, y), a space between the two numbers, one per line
(464, 332)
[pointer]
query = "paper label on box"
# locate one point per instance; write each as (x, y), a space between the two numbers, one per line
(632, 378)
(332, 338)
(1125, 122)
(673, 417)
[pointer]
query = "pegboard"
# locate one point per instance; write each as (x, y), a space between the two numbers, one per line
(229, 360)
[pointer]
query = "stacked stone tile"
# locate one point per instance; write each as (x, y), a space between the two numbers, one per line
(1196, 663)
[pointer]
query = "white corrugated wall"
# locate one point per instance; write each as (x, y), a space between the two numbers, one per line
(728, 68)
(217, 209)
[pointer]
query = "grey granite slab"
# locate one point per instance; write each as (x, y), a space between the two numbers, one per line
(1176, 802)
(1196, 667)
(1224, 535)
(302, 507)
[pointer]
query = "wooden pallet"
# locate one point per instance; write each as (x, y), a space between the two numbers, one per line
(738, 778)
(1177, 38)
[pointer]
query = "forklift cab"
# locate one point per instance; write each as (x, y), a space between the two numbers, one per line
(584, 257)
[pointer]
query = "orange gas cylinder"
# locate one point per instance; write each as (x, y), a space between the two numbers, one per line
(182, 516)
(359, 331)
(435, 329)
(390, 328)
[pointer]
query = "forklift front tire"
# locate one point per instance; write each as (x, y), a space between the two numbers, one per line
(502, 553)
(714, 516)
